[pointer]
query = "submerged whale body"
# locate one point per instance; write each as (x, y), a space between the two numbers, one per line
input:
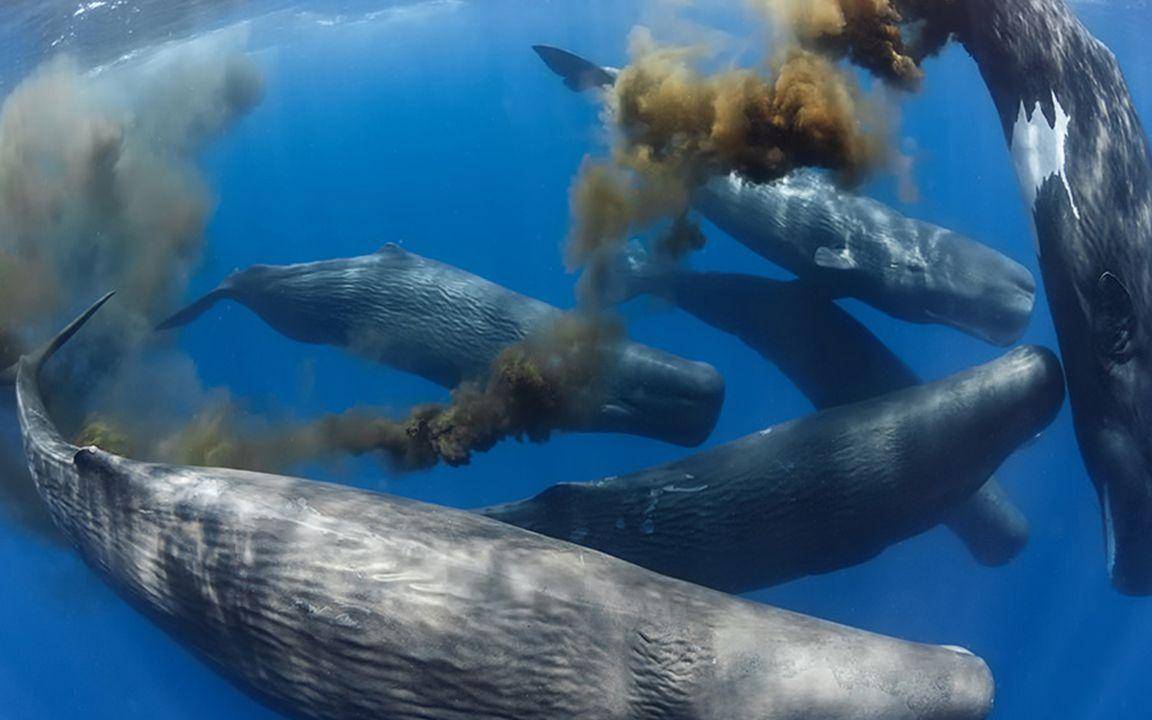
(826, 353)
(332, 603)
(857, 247)
(812, 495)
(1083, 163)
(447, 325)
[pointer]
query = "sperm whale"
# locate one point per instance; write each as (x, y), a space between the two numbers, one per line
(333, 603)
(826, 353)
(447, 325)
(855, 246)
(1083, 163)
(815, 494)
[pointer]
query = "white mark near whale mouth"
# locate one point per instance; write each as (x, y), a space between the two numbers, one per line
(1109, 532)
(957, 649)
(1038, 151)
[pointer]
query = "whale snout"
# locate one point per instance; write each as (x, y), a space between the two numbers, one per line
(655, 394)
(969, 690)
(833, 672)
(1026, 386)
(936, 682)
(982, 292)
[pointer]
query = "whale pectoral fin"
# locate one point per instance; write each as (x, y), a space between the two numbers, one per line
(830, 259)
(1113, 319)
(195, 310)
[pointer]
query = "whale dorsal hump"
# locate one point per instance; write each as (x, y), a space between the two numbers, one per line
(1113, 321)
(390, 248)
(91, 459)
(830, 259)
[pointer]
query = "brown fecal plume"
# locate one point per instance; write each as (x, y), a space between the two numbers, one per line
(867, 32)
(675, 126)
(535, 387)
(100, 189)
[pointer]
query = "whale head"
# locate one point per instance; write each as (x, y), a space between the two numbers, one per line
(976, 289)
(298, 301)
(652, 393)
(826, 673)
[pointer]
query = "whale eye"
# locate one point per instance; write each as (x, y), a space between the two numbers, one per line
(1113, 321)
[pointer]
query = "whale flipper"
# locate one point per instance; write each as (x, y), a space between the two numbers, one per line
(634, 272)
(579, 74)
(1113, 319)
(195, 310)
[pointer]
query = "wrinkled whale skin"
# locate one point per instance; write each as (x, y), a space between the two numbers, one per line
(447, 325)
(853, 245)
(812, 495)
(333, 603)
(1082, 159)
(833, 359)
(858, 247)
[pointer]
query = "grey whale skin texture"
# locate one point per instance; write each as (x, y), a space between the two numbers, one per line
(832, 358)
(855, 246)
(447, 325)
(1061, 96)
(812, 495)
(858, 247)
(332, 603)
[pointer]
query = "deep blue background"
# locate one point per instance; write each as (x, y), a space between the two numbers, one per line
(436, 127)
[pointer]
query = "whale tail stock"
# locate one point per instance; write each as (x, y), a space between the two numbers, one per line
(195, 309)
(579, 74)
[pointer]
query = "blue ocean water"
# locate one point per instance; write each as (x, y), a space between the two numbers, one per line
(433, 125)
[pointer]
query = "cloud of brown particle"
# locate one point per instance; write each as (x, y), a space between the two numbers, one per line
(674, 126)
(534, 388)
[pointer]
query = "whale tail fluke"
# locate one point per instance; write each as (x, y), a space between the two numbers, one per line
(579, 74)
(635, 272)
(37, 358)
(195, 309)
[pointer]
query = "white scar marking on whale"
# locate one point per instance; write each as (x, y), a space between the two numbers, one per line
(1038, 151)
(1109, 531)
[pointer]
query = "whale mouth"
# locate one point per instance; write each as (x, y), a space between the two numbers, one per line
(677, 402)
(679, 421)
(995, 312)
(1125, 493)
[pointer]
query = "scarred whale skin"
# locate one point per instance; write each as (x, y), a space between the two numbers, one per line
(812, 495)
(332, 603)
(447, 325)
(855, 246)
(858, 247)
(1082, 159)
(830, 357)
